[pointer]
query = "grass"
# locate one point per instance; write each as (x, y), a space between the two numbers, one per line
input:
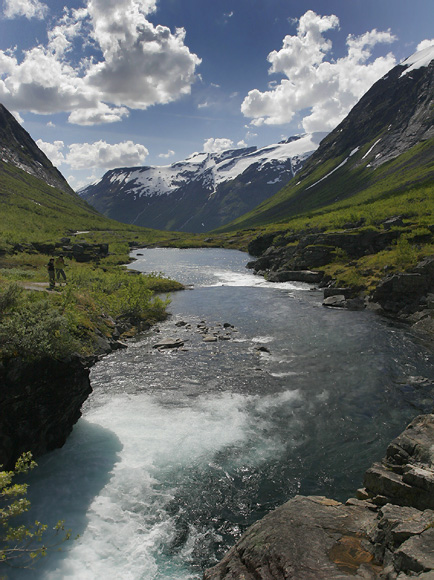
(36, 324)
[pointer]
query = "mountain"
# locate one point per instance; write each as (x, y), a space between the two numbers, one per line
(36, 202)
(204, 191)
(384, 146)
(17, 148)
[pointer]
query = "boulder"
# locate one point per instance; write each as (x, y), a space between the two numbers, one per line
(338, 301)
(169, 343)
(296, 276)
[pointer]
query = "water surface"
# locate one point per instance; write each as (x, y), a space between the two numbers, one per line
(179, 451)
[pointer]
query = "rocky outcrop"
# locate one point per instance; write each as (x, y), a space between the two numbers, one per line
(310, 250)
(81, 252)
(39, 404)
(386, 532)
(404, 294)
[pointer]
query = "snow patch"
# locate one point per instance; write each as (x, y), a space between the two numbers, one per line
(418, 60)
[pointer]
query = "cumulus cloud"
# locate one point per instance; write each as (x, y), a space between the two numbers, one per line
(99, 62)
(27, 8)
(102, 155)
(53, 151)
(98, 155)
(213, 145)
(167, 155)
(326, 89)
(425, 44)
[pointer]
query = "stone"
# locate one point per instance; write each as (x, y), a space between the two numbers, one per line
(311, 277)
(308, 538)
(337, 301)
(210, 338)
(416, 554)
(169, 343)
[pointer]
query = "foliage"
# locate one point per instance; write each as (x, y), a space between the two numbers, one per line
(31, 328)
(20, 545)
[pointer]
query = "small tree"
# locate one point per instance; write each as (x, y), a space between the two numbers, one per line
(20, 545)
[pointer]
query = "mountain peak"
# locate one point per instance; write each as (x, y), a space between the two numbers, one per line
(202, 192)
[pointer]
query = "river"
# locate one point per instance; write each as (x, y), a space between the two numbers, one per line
(178, 451)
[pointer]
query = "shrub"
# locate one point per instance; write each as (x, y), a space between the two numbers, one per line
(36, 330)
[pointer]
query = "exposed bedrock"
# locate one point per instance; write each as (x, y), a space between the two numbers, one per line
(386, 532)
(39, 404)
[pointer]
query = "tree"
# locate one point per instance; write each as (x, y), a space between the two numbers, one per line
(21, 545)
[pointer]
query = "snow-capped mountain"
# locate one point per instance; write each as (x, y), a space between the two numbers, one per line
(204, 191)
(384, 146)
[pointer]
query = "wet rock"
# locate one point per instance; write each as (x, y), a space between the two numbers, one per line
(337, 301)
(169, 343)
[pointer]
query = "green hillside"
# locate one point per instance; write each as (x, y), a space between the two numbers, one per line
(33, 211)
(351, 189)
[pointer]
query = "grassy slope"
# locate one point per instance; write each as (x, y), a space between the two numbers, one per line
(353, 186)
(32, 211)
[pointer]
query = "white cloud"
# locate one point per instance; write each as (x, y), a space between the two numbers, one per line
(27, 8)
(134, 64)
(167, 155)
(105, 156)
(327, 89)
(241, 143)
(216, 145)
(53, 151)
(425, 44)
(97, 155)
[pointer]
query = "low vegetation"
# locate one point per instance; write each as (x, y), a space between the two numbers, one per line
(34, 324)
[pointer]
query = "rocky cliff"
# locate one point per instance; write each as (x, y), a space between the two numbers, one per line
(386, 532)
(39, 404)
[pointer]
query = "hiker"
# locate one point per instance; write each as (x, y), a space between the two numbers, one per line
(59, 265)
(51, 273)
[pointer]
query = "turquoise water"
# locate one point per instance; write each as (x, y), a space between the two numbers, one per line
(179, 451)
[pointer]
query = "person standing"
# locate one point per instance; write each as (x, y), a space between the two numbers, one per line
(51, 273)
(60, 265)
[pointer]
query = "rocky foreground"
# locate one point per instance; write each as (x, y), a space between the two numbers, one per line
(385, 532)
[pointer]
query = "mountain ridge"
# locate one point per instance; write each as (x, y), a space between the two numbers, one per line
(203, 191)
(393, 118)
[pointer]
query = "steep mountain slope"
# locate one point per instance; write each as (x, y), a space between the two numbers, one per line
(202, 192)
(36, 202)
(17, 148)
(384, 145)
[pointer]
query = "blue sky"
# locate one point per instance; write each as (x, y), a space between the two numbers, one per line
(112, 83)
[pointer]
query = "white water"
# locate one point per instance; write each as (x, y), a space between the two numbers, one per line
(179, 451)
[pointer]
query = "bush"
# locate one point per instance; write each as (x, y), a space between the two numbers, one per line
(35, 330)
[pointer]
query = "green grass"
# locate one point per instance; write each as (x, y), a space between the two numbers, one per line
(352, 186)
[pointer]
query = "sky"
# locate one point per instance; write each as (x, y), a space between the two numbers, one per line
(101, 84)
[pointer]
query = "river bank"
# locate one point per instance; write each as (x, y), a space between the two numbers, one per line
(197, 442)
(385, 532)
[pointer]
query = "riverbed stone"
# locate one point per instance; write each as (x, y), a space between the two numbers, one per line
(308, 276)
(169, 343)
(335, 301)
